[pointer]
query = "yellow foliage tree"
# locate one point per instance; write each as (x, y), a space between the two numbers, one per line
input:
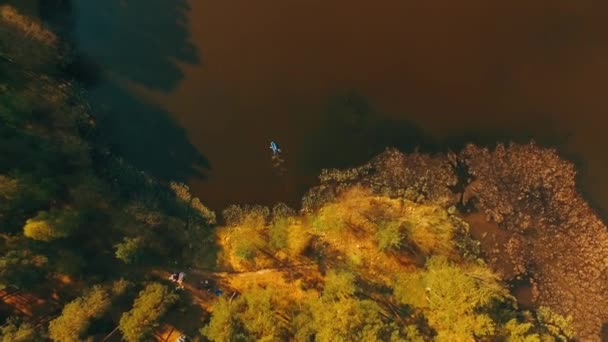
(452, 298)
(51, 225)
(76, 315)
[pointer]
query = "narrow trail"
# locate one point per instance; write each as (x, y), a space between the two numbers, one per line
(222, 279)
(224, 274)
(188, 319)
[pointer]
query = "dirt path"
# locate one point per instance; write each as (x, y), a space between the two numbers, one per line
(189, 318)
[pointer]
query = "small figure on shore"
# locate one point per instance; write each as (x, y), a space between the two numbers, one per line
(180, 280)
(205, 285)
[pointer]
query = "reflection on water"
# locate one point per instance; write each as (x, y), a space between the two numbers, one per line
(278, 163)
(139, 40)
(119, 47)
(426, 73)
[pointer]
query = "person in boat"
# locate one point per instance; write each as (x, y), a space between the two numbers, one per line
(275, 148)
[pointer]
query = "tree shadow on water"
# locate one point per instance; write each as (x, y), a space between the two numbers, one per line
(352, 132)
(139, 41)
(146, 136)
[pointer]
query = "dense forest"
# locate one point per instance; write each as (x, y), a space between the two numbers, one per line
(391, 250)
(82, 231)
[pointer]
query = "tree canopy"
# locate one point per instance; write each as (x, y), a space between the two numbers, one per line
(368, 287)
(76, 315)
(151, 303)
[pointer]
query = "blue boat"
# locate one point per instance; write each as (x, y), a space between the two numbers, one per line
(275, 148)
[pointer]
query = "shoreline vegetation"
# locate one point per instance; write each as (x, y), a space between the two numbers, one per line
(410, 247)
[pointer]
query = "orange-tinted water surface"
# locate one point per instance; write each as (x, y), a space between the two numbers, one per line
(210, 83)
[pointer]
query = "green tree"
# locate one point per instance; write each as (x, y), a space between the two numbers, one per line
(430, 229)
(389, 235)
(51, 225)
(452, 298)
(548, 326)
(411, 333)
(282, 217)
(151, 304)
(249, 239)
(224, 326)
(24, 195)
(339, 285)
(303, 324)
(8, 188)
(254, 316)
(69, 261)
(282, 210)
(317, 197)
(247, 227)
(556, 324)
(194, 210)
(130, 250)
(248, 244)
(329, 219)
(515, 331)
(20, 268)
(258, 314)
(76, 316)
(233, 215)
(120, 287)
(279, 232)
(346, 319)
(16, 331)
(338, 315)
(8, 193)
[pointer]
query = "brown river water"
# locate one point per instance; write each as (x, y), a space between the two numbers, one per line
(201, 86)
